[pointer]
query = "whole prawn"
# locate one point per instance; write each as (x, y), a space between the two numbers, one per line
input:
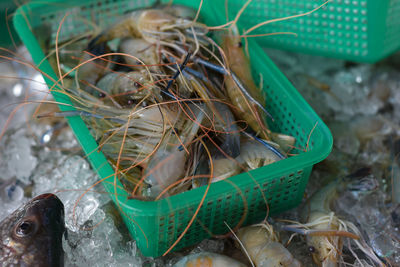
(239, 64)
(325, 231)
(207, 259)
(168, 162)
(263, 247)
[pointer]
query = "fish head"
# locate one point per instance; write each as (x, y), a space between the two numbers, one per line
(32, 235)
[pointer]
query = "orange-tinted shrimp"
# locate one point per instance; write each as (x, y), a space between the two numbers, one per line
(240, 65)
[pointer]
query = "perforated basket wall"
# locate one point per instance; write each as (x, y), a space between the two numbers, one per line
(241, 199)
(357, 30)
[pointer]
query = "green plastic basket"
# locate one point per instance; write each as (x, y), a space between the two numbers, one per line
(157, 224)
(7, 34)
(357, 30)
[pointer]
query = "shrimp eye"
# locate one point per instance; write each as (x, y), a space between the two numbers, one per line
(25, 228)
(311, 249)
(240, 44)
(102, 95)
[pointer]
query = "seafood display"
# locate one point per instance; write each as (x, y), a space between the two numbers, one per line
(170, 109)
(31, 236)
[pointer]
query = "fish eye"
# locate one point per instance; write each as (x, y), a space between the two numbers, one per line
(311, 249)
(25, 228)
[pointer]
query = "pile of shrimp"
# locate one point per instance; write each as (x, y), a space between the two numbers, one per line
(169, 107)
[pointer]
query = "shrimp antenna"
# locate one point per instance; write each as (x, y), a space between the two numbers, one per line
(285, 18)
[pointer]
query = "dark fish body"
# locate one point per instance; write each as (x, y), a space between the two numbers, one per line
(32, 235)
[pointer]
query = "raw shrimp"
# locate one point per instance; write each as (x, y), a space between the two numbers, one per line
(142, 50)
(152, 25)
(91, 71)
(325, 231)
(239, 65)
(207, 259)
(223, 167)
(128, 88)
(327, 248)
(262, 245)
(225, 128)
(180, 11)
(168, 162)
(285, 142)
(254, 155)
(146, 129)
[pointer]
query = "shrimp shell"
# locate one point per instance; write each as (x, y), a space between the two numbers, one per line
(261, 243)
(168, 162)
(149, 24)
(286, 142)
(240, 65)
(253, 155)
(207, 259)
(224, 168)
(127, 87)
(327, 249)
(141, 49)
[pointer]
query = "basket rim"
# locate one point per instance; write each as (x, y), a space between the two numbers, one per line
(164, 207)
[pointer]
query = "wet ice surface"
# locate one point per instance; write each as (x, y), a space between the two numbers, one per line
(359, 102)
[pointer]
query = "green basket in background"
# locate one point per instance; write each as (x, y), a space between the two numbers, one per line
(156, 225)
(357, 30)
(5, 38)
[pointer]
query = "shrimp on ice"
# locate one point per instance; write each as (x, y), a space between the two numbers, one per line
(207, 259)
(325, 231)
(263, 247)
